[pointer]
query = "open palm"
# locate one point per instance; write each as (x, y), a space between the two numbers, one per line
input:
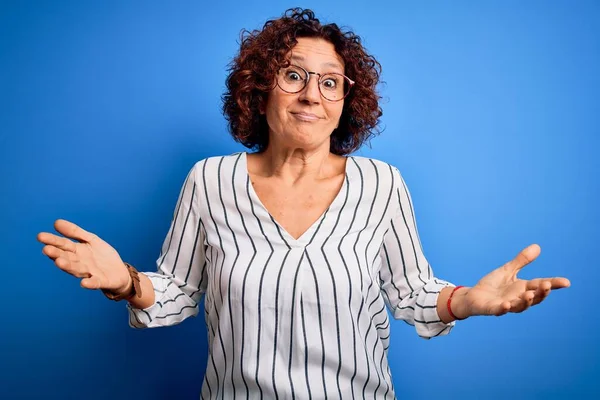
(501, 291)
(90, 258)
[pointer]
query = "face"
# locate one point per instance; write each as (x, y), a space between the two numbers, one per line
(305, 119)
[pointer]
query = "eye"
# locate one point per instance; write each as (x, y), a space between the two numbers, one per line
(293, 76)
(330, 83)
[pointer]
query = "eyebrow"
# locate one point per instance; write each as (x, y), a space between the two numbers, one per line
(328, 64)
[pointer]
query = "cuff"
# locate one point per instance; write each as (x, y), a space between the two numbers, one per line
(142, 318)
(427, 320)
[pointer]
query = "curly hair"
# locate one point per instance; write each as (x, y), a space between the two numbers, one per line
(262, 53)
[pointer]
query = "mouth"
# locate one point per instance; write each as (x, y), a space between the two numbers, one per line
(303, 116)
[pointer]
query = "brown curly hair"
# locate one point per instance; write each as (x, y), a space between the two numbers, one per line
(262, 53)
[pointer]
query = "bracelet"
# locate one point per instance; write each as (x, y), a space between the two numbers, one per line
(128, 294)
(448, 304)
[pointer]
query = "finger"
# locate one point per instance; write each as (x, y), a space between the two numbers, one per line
(74, 268)
(555, 283)
(517, 305)
(92, 282)
(73, 231)
(56, 241)
(541, 293)
(559, 283)
(52, 252)
(526, 256)
(528, 296)
(522, 303)
(546, 286)
(500, 308)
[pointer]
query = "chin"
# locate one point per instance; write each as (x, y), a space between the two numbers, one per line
(304, 138)
(310, 143)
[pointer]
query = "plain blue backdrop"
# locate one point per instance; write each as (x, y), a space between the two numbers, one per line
(491, 113)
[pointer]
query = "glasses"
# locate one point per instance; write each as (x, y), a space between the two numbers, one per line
(333, 86)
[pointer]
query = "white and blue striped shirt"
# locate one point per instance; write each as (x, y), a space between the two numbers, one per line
(294, 318)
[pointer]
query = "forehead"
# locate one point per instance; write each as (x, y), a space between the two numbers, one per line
(316, 53)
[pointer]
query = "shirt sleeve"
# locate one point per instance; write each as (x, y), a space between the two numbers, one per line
(181, 277)
(409, 287)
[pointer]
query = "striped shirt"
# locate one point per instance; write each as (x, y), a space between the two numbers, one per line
(294, 318)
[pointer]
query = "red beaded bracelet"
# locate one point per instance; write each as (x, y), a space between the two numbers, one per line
(449, 300)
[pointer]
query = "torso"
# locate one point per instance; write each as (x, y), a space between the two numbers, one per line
(292, 317)
(297, 207)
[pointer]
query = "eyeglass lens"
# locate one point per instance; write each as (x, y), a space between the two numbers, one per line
(333, 86)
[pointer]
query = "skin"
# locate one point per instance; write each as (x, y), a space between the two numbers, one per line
(297, 177)
(298, 160)
(501, 291)
(299, 149)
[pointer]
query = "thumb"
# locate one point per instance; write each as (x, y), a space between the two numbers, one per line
(527, 255)
(93, 282)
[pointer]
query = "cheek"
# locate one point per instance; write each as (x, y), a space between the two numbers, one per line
(270, 114)
(274, 108)
(274, 118)
(336, 113)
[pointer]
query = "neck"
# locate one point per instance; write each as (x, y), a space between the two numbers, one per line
(293, 164)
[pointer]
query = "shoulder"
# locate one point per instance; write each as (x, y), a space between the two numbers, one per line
(209, 169)
(370, 161)
(216, 162)
(371, 168)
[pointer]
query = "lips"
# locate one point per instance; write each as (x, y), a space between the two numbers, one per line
(304, 116)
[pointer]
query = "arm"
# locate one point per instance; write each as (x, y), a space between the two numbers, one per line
(414, 295)
(171, 294)
(409, 287)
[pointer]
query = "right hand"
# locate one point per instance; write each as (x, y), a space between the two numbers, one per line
(90, 258)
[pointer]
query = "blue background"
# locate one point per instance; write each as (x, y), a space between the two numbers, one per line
(491, 113)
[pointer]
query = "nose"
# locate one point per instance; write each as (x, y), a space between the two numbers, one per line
(311, 93)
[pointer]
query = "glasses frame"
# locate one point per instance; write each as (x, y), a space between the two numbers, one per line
(307, 80)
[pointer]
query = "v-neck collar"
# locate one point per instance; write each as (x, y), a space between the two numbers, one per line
(306, 236)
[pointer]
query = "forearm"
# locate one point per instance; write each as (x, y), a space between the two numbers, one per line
(459, 307)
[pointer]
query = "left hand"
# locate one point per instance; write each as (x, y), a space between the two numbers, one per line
(500, 291)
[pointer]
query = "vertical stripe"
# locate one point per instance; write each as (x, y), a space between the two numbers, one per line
(237, 254)
(187, 217)
(276, 327)
(383, 214)
(241, 216)
(260, 285)
(360, 269)
(174, 221)
(292, 327)
(318, 302)
(337, 318)
(339, 248)
(218, 283)
(411, 240)
(305, 348)
(312, 269)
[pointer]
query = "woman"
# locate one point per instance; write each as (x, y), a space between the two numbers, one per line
(298, 247)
